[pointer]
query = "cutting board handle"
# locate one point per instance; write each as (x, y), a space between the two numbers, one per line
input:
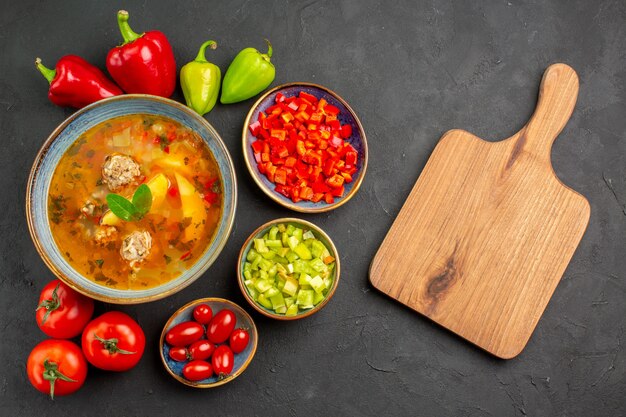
(557, 98)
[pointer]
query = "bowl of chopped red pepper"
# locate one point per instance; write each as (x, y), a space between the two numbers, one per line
(305, 147)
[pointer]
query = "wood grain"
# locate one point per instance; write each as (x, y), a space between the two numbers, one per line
(488, 229)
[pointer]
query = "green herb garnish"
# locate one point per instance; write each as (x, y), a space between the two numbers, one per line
(131, 210)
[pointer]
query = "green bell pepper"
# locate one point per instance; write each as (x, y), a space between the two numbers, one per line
(250, 73)
(200, 81)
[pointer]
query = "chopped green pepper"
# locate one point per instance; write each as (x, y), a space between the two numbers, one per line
(285, 270)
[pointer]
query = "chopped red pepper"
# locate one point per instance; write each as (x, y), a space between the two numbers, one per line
(257, 146)
(335, 181)
(346, 131)
(290, 161)
(337, 192)
(308, 97)
(351, 158)
(280, 177)
(254, 128)
(330, 109)
(303, 148)
(278, 134)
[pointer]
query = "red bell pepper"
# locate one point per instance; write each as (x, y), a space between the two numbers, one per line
(144, 63)
(76, 83)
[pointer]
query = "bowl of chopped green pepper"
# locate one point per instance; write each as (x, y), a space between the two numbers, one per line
(288, 269)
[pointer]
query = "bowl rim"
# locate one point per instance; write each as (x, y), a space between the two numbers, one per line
(229, 377)
(309, 312)
(34, 172)
(274, 195)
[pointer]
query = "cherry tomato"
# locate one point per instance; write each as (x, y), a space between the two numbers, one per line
(222, 360)
(197, 370)
(113, 342)
(201, 350)
(62, 313)
(56, 367)
(179, 354)
(221, 326)
(203, 314)
(184, 334)
(238, 340)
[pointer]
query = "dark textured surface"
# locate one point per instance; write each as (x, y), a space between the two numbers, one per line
(411, 71)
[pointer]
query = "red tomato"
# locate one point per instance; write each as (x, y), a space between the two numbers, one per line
(179, 354)
(238, 340)
(62, 313)
(113, 342)
(203, 314)
(184, 334)
(223, 361)
(197, 370)
(56, 367)
(201, 350)
(221, 326)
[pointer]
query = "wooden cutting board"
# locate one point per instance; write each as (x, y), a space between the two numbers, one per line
(488, 229)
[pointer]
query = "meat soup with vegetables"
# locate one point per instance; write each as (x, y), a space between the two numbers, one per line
(135, 201)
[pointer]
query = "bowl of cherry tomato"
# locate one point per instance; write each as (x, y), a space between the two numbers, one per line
(208, 342)
(305, 147)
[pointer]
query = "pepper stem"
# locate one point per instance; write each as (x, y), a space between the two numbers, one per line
(201, 56)
(269, 48)
(128, 34)
(111, 346)
(48, 73)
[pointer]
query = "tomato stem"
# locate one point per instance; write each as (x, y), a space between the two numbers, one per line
(50, 304)
(111, 345)
(51, 373)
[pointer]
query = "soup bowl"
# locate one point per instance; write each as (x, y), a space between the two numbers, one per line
(60, 141)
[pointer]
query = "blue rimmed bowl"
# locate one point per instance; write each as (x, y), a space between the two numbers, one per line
(242, 360)
(59, 142)
(346, 116)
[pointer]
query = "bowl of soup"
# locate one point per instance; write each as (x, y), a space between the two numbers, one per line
(131, 199)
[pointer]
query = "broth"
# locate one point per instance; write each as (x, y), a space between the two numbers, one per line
(117, 156)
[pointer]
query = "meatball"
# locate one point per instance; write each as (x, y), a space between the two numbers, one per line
(136, 247)
(119, 170)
